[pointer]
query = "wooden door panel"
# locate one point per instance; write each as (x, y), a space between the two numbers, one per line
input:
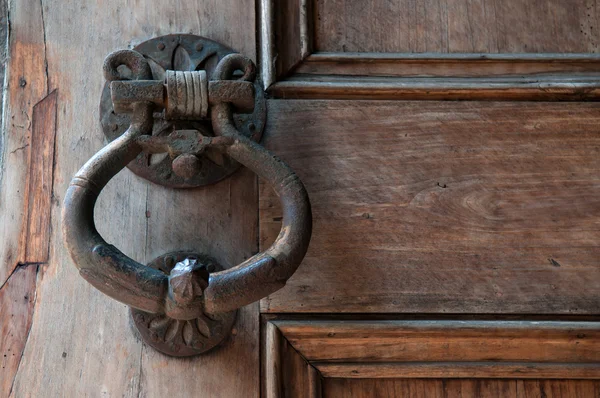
(457, 388)
(458, 26)
(441, 207)
(401, 49)
(412, 358)
(59, 336)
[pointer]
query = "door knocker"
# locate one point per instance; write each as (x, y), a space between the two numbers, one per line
(183, 111)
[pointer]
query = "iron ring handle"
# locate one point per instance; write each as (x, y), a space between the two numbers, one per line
(147, 289)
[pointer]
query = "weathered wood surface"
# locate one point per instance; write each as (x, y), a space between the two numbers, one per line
(441, 207)
(17, 300)
(27, 86)
(77, 341)
(457, 26)
(522, 66)
(471, 56)
(453, 388)
(535, 88)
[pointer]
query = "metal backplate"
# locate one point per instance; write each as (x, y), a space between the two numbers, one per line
(182, 52)
(182, 338)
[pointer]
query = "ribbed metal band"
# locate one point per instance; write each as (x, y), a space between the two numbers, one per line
(187, 94)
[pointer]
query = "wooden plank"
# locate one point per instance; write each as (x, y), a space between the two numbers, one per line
(27, 85)
(459, 370)
(446, 341)
(80, 343)
(450, 65)
(449, 388)
(441, 207)
(434, 350)
(557, 388)
(220, 220)
(475, 26)
(286, 373)
(352, 388)
(529, 88)
(36, 234)
(289, 42)
(17, 301)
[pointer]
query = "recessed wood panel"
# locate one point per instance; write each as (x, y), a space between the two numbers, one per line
(420, 358)
(452, 388)
(441, 207)
(457, 26)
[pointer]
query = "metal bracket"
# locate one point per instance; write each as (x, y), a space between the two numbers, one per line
(188, 275)
(180, 85)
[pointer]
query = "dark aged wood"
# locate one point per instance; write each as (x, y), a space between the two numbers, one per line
(297, 64)
(441, 207)
(460, 388)
(449, 65)
(547, 88)
(465, 26)
(420, 358)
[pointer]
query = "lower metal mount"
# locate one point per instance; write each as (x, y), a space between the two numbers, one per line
(179, 337)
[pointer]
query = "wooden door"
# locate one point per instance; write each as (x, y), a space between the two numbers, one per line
(450, 151)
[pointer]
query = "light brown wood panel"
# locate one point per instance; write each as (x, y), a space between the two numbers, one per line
(457, 26)
(27, 85)
(535, 88)
(485, 349)
(451, 388)
(441, 207)
(318, 357)
(79, 342)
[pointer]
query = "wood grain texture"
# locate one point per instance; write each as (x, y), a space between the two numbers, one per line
(474, 67)
(80, 343)
(446, 341)
(441, 207)
(3, 51)
(458, 370)
(36, 233)
(286, 372)
(450, 65)
(529, 88)
(288, 39)
(429, 358)
(27, 85)
(17, 301)
(457, 26)
(448, 388)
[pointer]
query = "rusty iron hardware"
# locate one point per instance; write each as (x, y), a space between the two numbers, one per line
(179, 68)
(184, 303)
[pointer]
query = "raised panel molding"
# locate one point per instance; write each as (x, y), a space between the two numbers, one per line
(300, 355)
(291, 68)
